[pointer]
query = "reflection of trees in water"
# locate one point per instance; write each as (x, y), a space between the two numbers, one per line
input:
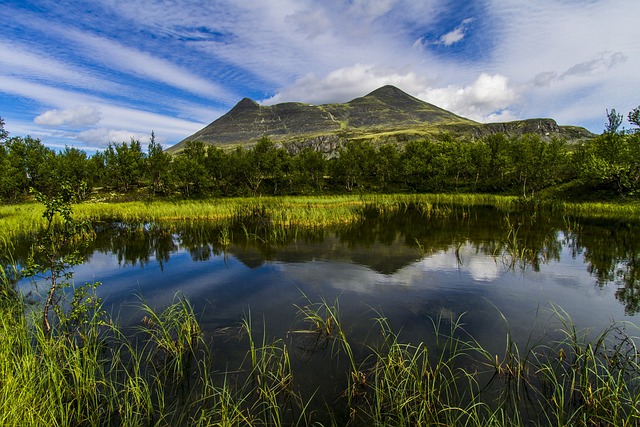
(517, 239)
(134, 243)
(611, 250)
(388, 240)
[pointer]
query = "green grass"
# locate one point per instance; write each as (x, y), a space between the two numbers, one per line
(160, 373)
(285, 211)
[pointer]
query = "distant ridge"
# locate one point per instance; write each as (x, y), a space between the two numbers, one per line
(386, 115)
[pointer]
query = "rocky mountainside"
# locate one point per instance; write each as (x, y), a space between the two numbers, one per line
(385, 115)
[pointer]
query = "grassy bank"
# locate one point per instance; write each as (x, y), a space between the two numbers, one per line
(281, 211)
(310, 212)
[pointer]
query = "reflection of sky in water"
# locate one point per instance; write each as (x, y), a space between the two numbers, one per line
(443, 284)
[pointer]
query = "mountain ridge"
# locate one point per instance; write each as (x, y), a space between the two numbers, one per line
(384, 115)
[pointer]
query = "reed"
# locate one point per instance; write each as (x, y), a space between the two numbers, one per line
(310, 212)
(302, 211)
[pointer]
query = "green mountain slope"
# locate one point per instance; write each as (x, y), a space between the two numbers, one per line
(384, 115)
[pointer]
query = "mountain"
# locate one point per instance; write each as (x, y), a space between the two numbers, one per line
(385, 115)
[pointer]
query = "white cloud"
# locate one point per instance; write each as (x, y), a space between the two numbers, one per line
(112, 116)
(457, 34)
(567, 60)
(312, 22)
(82, 115)
(32, 63)
(347, 83)
(480, 267)
(486, 99)
(131, 60)
(102, 137)
(600, 64)
(489, 98)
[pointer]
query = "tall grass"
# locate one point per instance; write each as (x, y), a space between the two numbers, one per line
(161, 373)
(280, 211)
(320, 211)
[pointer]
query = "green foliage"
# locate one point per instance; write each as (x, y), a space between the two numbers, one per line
(537, 163)
(310, 167)
(157, 167)
(634, 119)
(188, 170)
(524, 165)
(614, 120)
(72, 168)
(3, 132)
(610, 162)
(27, 163)
(54, 253)
(124, 165)
(355, 165)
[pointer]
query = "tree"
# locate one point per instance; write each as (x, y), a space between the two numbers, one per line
(498, 173)
(634, 119)
(310, 167)
(610, 161)
(355, 165)
(157, 166)
(263, 161)
(219, 170)
(416, 162)
(72, 168)
(614, 120)
(55, 252)
(536, 163)
(124, 164)
(387, 165)
(189, 171)
(3, 133)
(28, 163)
(479, 162)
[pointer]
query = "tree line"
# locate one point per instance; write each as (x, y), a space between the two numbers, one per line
(522, 165)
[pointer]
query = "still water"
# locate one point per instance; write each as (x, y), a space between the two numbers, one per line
(480, 263)
(501, 274)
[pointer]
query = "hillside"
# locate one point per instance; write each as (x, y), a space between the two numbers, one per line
(384, 115)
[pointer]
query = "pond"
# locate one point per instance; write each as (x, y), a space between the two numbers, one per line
(496, 273)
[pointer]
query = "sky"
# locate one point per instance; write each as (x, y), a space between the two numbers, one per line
(89, 73)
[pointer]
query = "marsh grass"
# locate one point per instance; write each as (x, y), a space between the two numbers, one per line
(309, 212)
(301, 211)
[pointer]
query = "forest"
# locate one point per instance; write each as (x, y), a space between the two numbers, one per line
(605, 167)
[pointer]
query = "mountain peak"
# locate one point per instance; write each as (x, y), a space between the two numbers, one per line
(245, 104)
(393, 97)
(388, 91)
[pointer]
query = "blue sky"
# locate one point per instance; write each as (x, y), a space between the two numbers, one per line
(87, 73)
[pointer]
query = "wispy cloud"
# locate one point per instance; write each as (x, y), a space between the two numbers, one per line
(130, 60)
(152, 64)
(80, 110)
(457, 34)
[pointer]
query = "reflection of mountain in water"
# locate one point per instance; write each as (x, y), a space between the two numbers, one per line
(386, 258)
